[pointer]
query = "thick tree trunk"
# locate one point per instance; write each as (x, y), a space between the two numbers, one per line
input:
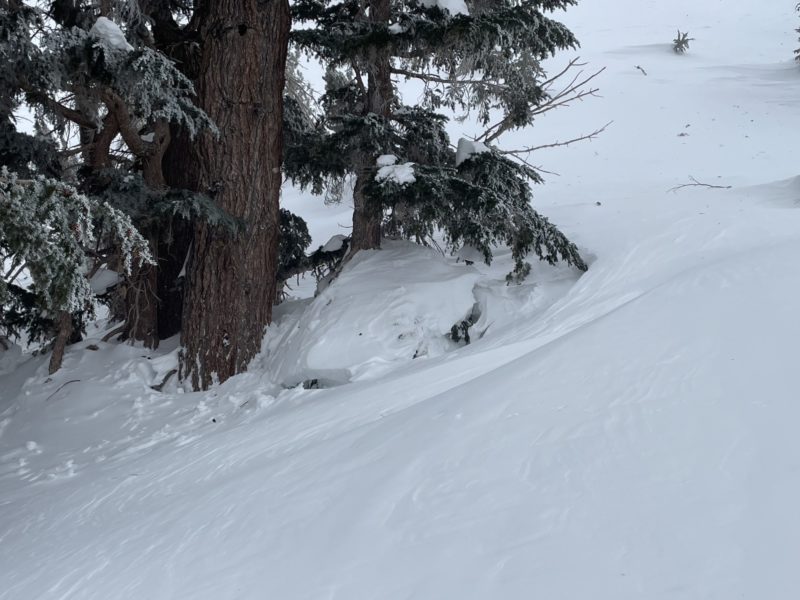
(368, 215)
(232, 278)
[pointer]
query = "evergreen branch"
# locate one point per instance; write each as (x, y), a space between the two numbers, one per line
(55, 106)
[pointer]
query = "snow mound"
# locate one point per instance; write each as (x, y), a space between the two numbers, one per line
(110, 34)
(386, 308)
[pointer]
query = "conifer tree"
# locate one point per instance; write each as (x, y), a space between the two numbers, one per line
(104, 101)
(484, 58)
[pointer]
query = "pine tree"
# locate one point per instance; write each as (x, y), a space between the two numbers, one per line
(484, 60)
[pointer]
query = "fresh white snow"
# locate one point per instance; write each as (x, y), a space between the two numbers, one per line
(401, 174)
(110, 34)
(627, 433)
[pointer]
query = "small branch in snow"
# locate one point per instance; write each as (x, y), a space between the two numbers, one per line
(642, 70)
(695, 183)
(61, 387)
(113, 332)
(160, 386)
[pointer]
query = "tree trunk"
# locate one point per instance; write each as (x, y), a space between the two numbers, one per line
(64, 325)
(142, 291)
(367, 214)
(232, 277)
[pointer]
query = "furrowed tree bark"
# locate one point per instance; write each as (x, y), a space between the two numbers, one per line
(232, 277)
(367, 215)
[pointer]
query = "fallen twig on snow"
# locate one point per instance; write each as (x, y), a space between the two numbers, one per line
(695, 183)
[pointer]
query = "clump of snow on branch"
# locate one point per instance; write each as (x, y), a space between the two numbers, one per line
(455, 7)
(468, 148)
(110, 34)
(389, 170)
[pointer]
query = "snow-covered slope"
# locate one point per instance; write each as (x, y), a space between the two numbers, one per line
(627, 434)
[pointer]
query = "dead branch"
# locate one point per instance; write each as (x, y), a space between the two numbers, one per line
(516, 152)
(573, 91)
(695, 183)
(113, 332)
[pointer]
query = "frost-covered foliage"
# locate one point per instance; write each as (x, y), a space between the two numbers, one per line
(145, 80)
(56, 235)
(484, 59)
(107, 103)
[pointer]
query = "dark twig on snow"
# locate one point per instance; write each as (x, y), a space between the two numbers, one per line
(113, 332)
(61, 387)
(695, 183)
(641, 69)
(160, 386)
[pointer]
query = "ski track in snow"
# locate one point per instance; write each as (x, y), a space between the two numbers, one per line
(627, 434)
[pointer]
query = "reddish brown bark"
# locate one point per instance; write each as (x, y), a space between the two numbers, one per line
(232, 278)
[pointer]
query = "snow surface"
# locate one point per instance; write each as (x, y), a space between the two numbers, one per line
(630, 433)
(110, 34)
(358, 326)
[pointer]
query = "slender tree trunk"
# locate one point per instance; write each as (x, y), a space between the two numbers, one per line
(63, 332)
(232, 278)
(142, 293)
(368, 215)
